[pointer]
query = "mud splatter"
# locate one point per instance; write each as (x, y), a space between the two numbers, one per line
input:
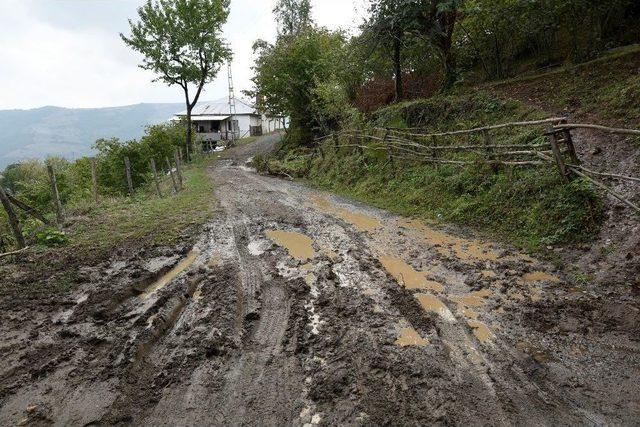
(299, 246)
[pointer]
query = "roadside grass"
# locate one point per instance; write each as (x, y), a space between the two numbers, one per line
(529, 207)
(606, 89)
(145, 218)
(115, 225)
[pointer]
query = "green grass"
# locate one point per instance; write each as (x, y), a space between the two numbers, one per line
(120, 224)
(605, 90)
(146, 217)
(530, 207)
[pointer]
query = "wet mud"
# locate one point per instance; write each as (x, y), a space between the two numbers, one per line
(295, 307)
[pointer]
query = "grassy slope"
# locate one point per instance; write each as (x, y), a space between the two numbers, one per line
(606, 89)
(117, 224)
(529, 207)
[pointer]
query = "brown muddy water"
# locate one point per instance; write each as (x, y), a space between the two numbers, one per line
(299, 246)
(171, 275)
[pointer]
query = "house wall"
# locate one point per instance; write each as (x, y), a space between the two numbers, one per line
(270, 124)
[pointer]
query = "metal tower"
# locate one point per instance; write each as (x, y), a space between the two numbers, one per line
(232, 103)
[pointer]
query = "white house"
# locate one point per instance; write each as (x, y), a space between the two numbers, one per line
(213, 122)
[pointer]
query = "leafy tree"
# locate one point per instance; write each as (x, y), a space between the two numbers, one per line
(293, 16)
(181, 42)
(292, 78)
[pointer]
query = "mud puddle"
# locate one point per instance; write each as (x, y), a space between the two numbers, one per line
(539, 276)
(407, 276)
(297, 244)
(171, 275)
(449, 245)
(361, 221)
(410, 337)
(432, 304)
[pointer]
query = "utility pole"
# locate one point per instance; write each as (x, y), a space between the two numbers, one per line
(232, 104)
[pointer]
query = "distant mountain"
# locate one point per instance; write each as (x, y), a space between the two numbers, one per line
(42, 132)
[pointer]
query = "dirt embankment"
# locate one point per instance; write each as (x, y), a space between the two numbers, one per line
(603, 92)
(301, 308)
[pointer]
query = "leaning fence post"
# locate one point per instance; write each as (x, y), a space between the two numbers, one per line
(176, 155)
(569, 141)
(56, 195)
(387, 147)
(173, 178)
(155, 177)
(14, 222)
(127, 169)
(557, 154)
(94, 179)
(335, 140)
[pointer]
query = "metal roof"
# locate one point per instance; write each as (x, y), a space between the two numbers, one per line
(207, 118)
(221, 107)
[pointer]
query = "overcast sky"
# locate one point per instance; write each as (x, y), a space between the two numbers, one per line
(68, 53)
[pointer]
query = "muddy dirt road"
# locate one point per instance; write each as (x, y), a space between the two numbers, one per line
(297, 307)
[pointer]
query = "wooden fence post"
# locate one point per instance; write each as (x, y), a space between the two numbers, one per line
(557, 154)
(29, 210)
(127, 169)
(14, 222)
(487, 142)
(387, 147)
(56, 195)
(94, 179)
(173, 178)
(176, 155)
(155, 177)
(572, 149)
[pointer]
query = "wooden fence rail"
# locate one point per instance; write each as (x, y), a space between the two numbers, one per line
(424, 146)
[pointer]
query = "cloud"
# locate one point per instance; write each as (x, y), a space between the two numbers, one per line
(68, 52)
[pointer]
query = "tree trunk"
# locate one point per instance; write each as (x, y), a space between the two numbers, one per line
(397, 63)
(450, 71)
(188, 147)
(14, 222)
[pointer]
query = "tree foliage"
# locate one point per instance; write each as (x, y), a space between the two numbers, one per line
(293, 16)
(181, 42)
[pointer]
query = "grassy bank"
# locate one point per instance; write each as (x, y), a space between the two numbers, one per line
(116, 225)
(606, 89)
(531, 207)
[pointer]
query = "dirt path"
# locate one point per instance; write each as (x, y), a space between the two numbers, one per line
(302, 308)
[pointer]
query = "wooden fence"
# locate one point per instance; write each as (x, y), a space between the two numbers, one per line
(554, 146)
(10, 203)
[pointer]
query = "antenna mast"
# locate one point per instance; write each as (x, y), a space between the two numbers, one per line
(232, 103)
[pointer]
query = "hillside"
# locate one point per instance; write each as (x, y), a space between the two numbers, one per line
(47, 131)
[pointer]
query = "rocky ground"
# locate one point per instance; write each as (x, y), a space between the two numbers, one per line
(296, 307)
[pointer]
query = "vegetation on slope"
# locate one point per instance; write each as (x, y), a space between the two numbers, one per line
(606, 90)
(531, 207)
(118, 224)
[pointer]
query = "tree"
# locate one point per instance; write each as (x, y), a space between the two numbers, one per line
(293, 78)
(293, 16)
(181, 42)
